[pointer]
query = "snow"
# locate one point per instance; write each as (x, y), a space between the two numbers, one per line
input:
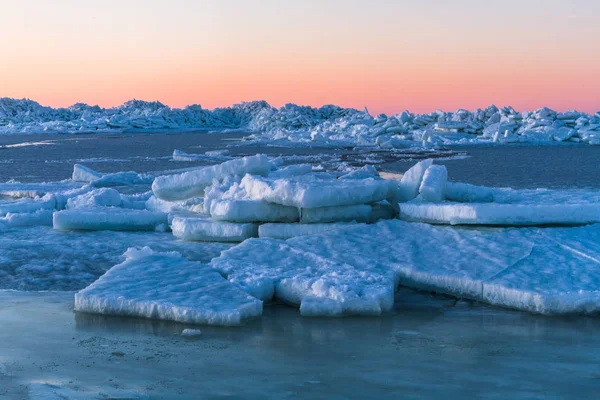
(167, 286)
(192, 183)
(108, 218)
(286, 231)
(205, 230)
(433, 185)
(292, 124)
(501, 214)
(251, 211)
(312, 191)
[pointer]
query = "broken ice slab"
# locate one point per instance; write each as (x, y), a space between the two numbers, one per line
(192, 183)
(109, 219)
(169, 287)
(549, 270)
(269, 268)
(202, 229)
(501, 214)
(311, 191)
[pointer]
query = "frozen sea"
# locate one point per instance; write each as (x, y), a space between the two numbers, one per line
(429, 346)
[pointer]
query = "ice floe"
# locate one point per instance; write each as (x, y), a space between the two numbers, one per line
(110, 219)
(206, 230)
(167, 286)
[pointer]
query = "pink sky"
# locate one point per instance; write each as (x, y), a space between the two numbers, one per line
(388, 55)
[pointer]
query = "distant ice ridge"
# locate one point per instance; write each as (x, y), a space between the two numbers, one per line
(327, 125)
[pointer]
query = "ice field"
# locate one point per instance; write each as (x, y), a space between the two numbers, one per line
(294, 124)
(200, 231)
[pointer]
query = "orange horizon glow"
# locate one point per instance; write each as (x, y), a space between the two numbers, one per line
(435, 56)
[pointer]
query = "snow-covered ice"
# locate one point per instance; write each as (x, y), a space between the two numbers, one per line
(167, 286)
(205, 230)
(109, 218)
(411, 181)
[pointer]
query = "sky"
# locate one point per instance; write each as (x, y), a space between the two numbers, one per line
(387, 55)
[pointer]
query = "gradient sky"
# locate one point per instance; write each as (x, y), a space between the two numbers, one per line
(388, 55)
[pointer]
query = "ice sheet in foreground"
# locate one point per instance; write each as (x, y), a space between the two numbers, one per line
(542, 270)
(270, 268)
(167, 286)
(501, 214)
(109, 219)
(203, 229)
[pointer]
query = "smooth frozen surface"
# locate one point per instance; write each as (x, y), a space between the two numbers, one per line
(312, 191)
(97, 179)
(108, 218)
(169, 287)
(483, 348)
(501, 214)
(192, 183)
(205, 230)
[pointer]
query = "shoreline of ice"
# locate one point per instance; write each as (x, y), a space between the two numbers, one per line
(304, 125)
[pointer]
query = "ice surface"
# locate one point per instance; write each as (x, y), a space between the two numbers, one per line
(205, 230)
(551, 270)
(433, 186)
(192, 183)
(501, 214)
(167, 286)
(252, 211)
(16, 190)
(286, 231)
(108, 218)
(312, 191)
